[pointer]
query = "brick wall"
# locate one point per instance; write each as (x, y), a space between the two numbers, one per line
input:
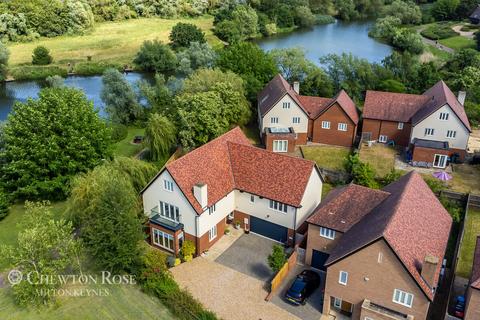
(389, 129)
(269, 138)
(472, 311)
(174, 234)
(319, 243)
(333, 136)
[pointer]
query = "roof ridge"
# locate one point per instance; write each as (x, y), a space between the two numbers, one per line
(230, 163)
(276, 153)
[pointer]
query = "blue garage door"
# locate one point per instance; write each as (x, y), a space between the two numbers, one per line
(318, 259)
(268, 229)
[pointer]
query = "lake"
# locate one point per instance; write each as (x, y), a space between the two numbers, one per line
(338, 37)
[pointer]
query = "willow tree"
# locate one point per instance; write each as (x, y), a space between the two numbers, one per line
(160, 136)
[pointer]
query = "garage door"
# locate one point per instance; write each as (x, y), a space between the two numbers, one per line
(318, 260)
(268, 229)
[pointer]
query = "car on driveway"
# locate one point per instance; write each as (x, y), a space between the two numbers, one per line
(302, 287)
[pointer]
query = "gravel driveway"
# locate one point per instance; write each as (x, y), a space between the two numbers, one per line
(232, 295)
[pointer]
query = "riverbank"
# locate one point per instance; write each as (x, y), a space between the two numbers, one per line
(110, 44)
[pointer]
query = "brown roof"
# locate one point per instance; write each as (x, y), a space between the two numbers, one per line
(391, 106)
(475, 278)
(411, 220)
(230, 162)
(274, 91)
(314, 105)
(345, 206)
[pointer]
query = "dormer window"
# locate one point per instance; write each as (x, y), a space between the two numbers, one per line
(327, 233)
(444, 116)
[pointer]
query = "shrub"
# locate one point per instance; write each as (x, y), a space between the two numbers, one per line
(4, 205)
(304, 17)
(277, 258)
(41, 56)
(390, 177)
(435, 185)
(119, 132)
(324, 19)
(156, 56)
(183, 34)
(37, 72)
(93, 68)
(453, 209)
(438, 31)
(188, 250)
(54, 81)
(228, 31)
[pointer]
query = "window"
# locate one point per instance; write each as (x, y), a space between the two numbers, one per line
(169, 211)
(382, 138)
(325, 124)
(342, 127)
(274, 120)
(163, 239)
(327, 233)
(367, 318)
(337, 303)
(252, 198)
(400, 126)
(343, 278)
(403, 298)
(444, 116)
(380, 257)
(429, 131)
(296, 120)
(168, 185)
(212, 234)
(278, 206)
(212, 209)
(280, 145)
(451, 134)
(286, 105)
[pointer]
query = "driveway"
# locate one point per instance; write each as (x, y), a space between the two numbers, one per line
(232, 295)
(312, 310)
(248, 255)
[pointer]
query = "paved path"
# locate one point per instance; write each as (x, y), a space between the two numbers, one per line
(435, 44)
(229, 293)
(466, 34)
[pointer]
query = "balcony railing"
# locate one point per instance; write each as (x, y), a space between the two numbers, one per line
(156, 218)
(389, 313)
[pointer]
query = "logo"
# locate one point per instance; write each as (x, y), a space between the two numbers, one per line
(15, 277)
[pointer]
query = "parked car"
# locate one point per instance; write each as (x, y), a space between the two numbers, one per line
(460, 307)
(304, 285)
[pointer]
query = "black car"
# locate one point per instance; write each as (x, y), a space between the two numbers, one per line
(303, 286)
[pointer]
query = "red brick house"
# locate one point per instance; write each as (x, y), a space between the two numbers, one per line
(287, 118)
(472, 310)
(382, 249)
(433, 125)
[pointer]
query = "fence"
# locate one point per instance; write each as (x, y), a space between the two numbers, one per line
(282, 273)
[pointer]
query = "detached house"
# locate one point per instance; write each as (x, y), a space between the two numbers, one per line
(229, 180)
(382, 249)
(472, 306)
(433, 125)
(287, 118)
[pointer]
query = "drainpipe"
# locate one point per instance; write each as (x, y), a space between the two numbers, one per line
(196, 234)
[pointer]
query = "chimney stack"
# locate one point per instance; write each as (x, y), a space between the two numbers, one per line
(200, 192)
(461, 97)
(429, 269)
(296, 87)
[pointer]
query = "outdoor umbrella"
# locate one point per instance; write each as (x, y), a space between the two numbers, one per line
(442, 175)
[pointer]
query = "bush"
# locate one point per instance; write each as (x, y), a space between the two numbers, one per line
(304, 17)
(188, 250)
(37, 72)
(4, 205)
(435, 185)
(41, 56)
(228, 31)
(119, 132)
(362, 173)
(277, 258)
(455, 211)
(156, 56)
(183, 34)
(438, 31)
(55, 81)
(93, 68)
(324, 19)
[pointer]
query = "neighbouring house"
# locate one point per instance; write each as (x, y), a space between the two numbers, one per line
(475, 16)
(434, 125)
(287, 119)
(472, 305)
(226, 181)
(382, 250)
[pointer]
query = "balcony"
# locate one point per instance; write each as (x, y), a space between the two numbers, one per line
(156, 218)
(370, 309)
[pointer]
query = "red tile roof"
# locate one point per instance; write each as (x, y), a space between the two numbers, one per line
(475, 278)
(411, 220)
(230, 162)
(314, 105)
(274, 91)
(345, 206)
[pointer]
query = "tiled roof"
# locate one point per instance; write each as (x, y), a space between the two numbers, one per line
(314, 105)
(411, 220)
(273, 92)
(392, 106)
(345, 206)
(347, 104)
(475, 278)
(231, 162)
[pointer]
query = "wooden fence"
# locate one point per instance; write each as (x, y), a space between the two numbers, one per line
(282, 273)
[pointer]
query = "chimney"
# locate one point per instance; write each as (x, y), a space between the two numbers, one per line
(201, 194)
(296, 87)
(461, 97)
(429, 269)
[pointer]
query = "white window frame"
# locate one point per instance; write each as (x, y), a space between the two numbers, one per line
(444, 116)
(400, 126)
(286, 105)
(296, 120)
(440, 156)
(335, 300)
(274, 120)
(402, 298)
(161, 239)
(383, 138)
(280, 145)
(380, 257)
(342, 126)
(212, 233)
(278, 206)
(429, 132)
(451, 134)
(167, 185)
(252, 198)
(325, 124)
(327, 233)
(212, 209)
(169, 211)
(340, 278)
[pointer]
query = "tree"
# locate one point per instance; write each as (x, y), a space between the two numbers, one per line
(41, 56)
(4, 205)
(228, 31)
(160, 136)
(183, 34)
(292, 63)
(346, 9)
(41, 156)
(362, 173)
(159, 96)
(46, 247)
(443, 10)
(104, 207)
(392, 85)
(317, 83)
(4, 56)
(119, 98)
(285, 18)
(277, 258)
(408, 40)
(304, 17)
(385, 28)
(156, 56)
(245, 17)
(137, 171)
(477, 38)
(196, 56)
(55, 81)
(407, 11)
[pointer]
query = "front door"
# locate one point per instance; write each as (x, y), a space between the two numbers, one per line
(440, 161)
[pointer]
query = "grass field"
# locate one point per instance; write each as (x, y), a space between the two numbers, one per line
(126, 147)
(458, 42)
(472, 229)
(109, 41)
(327, 157)
(466, 179)
(381, 157)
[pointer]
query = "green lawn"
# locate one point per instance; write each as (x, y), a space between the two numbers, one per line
(432, 53)
(327, 157)
(465, 256)
(380, 156)
(126, 147)
(458, 42)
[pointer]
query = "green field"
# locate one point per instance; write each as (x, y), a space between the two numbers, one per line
(380, 157)
(327, 157)
(458, 43)
(465, 256)
(125, 147)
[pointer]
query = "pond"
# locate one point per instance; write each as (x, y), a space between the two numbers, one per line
(338, 37)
